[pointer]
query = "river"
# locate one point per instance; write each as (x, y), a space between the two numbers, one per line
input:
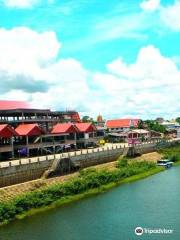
(151, 203)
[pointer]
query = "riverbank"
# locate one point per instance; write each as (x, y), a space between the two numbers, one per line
(90, 193)
(46, 194)
(88, 183)
(10, 192)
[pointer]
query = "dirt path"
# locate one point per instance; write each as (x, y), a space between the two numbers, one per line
(153, 156)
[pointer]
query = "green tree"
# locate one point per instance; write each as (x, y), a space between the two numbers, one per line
(87, 119)
(140, 124)
(155, 126)
(178, 120)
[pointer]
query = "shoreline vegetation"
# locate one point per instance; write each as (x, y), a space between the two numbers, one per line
(89, 182)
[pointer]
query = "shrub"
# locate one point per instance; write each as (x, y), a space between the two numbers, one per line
(88, 179)
(122, 163)
(174, 158)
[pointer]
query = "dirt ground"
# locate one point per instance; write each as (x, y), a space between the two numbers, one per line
(154, 157)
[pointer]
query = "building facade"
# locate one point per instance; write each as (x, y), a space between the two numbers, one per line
(25, 131)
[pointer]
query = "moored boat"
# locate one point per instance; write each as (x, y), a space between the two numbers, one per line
(165, 163)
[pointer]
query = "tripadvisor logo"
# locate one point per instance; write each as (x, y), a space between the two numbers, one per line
(139, 231)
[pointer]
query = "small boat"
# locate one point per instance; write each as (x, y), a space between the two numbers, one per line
(165, 163)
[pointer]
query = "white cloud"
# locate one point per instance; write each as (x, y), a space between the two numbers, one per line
(150, 5)
(171, 16)
(143, 87)
(23, 49)
(29, 66)
(20, 3)
(30, 69)
(168, 15)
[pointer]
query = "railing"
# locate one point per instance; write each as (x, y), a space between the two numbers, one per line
(45, 144)
(91, 139)
(8, 148)
(5, 148)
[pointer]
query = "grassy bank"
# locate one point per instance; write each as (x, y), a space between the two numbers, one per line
(171, 153)
(88, 183)
(89, 193)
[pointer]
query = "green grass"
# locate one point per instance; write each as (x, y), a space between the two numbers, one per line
(88, 183)
(171, 153)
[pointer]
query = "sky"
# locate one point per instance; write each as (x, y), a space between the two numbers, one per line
(118, 58)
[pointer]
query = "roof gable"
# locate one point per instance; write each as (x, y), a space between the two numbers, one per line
(85, 127)
(29, 130)
(65, 128)
(7, 131)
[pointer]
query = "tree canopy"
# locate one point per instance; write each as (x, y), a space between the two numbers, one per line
(155, 126)
(87, 119)
(178, 120)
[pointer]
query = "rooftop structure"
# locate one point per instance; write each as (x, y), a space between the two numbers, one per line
(99, 118)
(7, 131)
(85, 127)
(17, 112)
(12, 105)
(121, 124)
(64, 128)
(29, 130)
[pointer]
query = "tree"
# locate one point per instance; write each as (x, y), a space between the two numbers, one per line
(87, 119)
(140, 124)
(155, 126)
(178, 120)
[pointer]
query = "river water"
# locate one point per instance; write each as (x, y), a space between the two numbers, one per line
(151, 203)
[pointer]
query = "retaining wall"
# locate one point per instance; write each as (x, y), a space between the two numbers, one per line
(95, 158)
(23, 170)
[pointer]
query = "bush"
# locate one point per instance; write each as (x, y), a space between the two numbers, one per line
(88, 179)
(84, 172)
(122, 163)
(174, 158)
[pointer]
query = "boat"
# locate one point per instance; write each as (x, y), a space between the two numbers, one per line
(165, 163)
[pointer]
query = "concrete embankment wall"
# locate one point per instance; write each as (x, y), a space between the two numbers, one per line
(23, 170)
(95, 158)
(146, 148)
(33, 168)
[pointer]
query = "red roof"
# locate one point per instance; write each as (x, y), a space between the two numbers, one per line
(12, 105)
(76, 117)
(7, 131)
(29, 130)
(85, 127)
(61, 128)
(122, 123)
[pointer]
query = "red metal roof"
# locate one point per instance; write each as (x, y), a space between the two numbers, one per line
(85, 127)
(7, 131)
(61, 128)
(12, 105)
(122, 123)
(29, 130)
(76, 117)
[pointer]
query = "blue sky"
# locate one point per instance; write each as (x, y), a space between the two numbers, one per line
(117, 58)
